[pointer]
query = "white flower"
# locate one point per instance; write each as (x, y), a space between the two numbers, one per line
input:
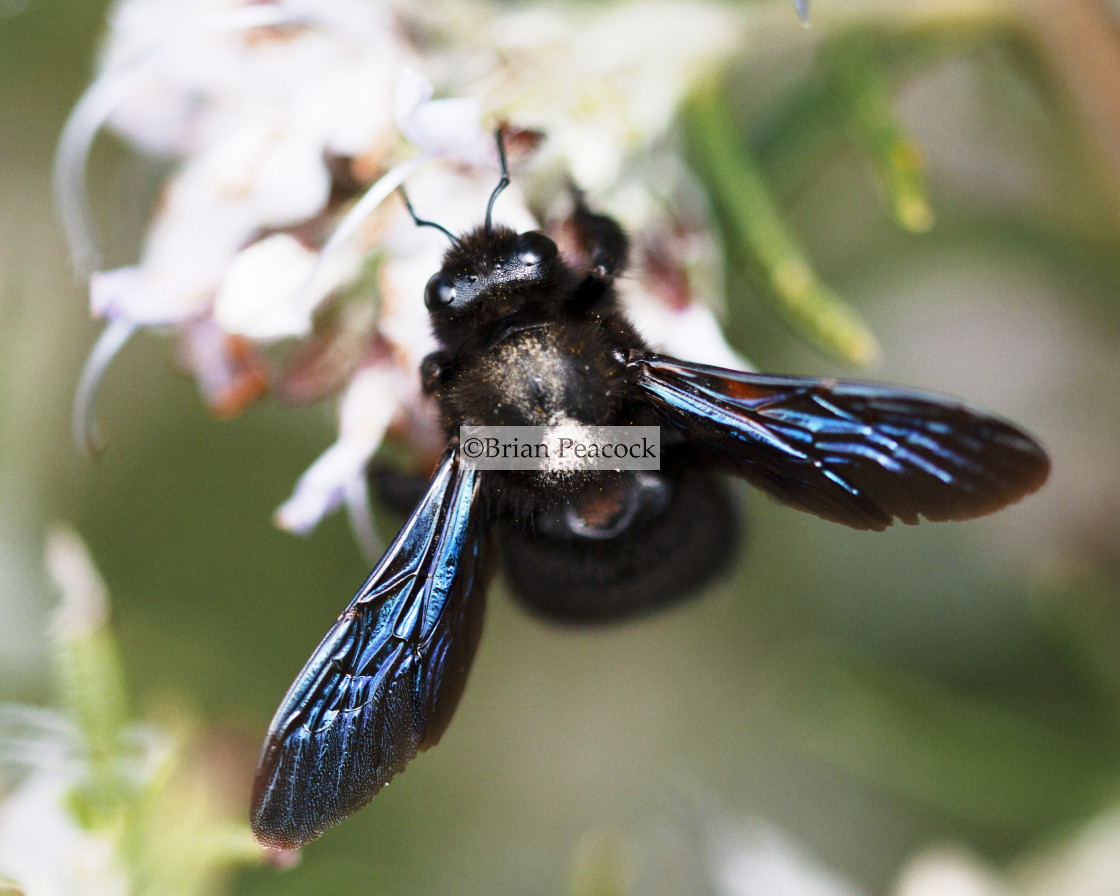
(365, 412)
(46, 853)
(758, 860)
(290, 123)
(259, 296)
(49, 762)
(606, 84)
(450, 128)
(949, 872)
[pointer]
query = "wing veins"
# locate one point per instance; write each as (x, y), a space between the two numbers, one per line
(859, 454)
(385, 679)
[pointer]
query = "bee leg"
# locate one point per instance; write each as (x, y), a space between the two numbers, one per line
(602, 239)
(433, 370)
(398, 490)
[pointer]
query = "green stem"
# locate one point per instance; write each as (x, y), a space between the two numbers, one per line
(757, 231)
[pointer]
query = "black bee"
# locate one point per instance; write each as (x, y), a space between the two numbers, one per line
(527, 339)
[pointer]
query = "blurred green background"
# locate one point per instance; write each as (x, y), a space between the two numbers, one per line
(869, 694)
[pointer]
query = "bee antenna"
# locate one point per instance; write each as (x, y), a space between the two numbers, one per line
(420, 222)
(503, 182)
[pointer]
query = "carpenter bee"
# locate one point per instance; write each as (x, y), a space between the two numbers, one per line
(528, 338)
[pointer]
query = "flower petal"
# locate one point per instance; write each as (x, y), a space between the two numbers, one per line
(260, 296)
(691, 332)
(450, 128)
(228, 369)
(364, 416)
(109, 343)
(143, 298)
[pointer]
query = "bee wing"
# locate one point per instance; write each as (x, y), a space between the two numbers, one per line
(853, 453)
(384, 682)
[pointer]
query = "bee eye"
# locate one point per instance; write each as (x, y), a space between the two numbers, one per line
(440, 292)
(533, 247)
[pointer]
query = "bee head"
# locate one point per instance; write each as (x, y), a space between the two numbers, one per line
(490, 272)
(488, 275)
(490, 267)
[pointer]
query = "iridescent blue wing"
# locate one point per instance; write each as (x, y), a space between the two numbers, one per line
(385, 680)
(854, 453)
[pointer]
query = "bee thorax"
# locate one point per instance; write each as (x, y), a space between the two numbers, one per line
(535, 378)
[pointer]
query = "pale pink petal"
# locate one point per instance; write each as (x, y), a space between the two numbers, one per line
(359, 513)
(449, 128)
(412, 90)
(323, 487)
(278, 177)
(228, 369)
(366, 410)
(260, 297)
(691, 333)
(142, 297)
